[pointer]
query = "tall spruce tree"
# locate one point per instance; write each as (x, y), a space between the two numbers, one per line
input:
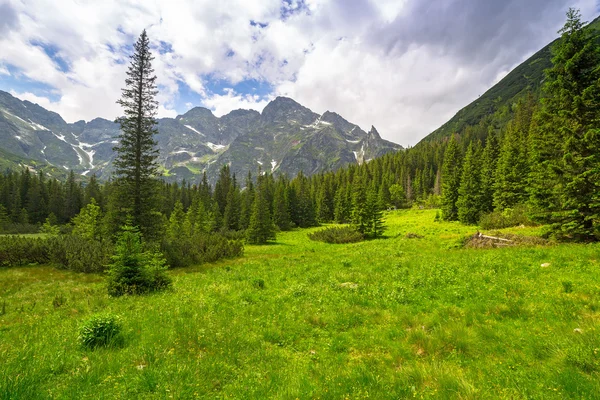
(489, 160)
(469, 200)
(451, 173)
(572, 108)
(136, 165)
(261, 228)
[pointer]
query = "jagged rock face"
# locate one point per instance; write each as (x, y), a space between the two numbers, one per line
(285, 138)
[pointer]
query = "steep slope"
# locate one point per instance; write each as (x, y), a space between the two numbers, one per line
(285, 138)
(527, 77)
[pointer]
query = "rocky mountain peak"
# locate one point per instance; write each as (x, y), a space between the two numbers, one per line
(285, 110)
(373, 134)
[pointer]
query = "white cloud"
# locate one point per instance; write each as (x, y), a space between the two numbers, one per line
(405, 66)
(223, 104)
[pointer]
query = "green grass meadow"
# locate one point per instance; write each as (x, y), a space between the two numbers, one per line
(382, 319)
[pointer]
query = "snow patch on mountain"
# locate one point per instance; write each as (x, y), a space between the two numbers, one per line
(192, 129)
(215, 147)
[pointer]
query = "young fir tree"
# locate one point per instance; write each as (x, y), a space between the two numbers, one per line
(360, 212)
(136, 164)
(176, 221)
(451, 173)
(375, 227)
(469, 192)
(261, 228)
(571, 155)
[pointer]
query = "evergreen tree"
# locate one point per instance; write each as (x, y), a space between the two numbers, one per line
(93, 191)
(281, 215)
(261, 228)
(136, 164)
(231, 218)
(451, 173)
(247, 201)
(397, 196)
(375, 226)
(360, 212)
(571, 109)
(469, 200)
(488, 168)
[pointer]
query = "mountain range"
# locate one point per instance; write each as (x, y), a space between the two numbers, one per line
(285, 138)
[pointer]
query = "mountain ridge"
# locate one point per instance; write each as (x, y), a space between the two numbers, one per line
(285, 138)
(527, 77)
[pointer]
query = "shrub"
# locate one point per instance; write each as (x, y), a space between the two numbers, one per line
(18, 250)
(199, 248)
(337, 235)
(133, 270)
(68, 252)
(80, 254)
(505, 219)
(102, 330)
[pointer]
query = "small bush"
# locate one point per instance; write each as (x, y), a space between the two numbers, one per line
(337, 235)
(101, 330)
(505, 219)
(133, 270)
(18, 251)
(200, 248)
(79, 254)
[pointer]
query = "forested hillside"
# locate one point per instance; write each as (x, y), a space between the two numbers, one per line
(496, 106)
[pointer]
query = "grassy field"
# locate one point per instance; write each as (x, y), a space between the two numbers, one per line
(389, 318)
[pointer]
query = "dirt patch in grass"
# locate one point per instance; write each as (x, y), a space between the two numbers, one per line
(495, 240)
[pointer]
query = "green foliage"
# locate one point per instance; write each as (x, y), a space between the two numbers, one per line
(88, 223)
(261, 228)
(134, 270)
(101, 330)
(506, 218)
(469, 201)
(19, 250)
(65, 251)
(451, 173)
(398, 196)
(565, 185)
(199, 248)
(50, 226)
(337, 235)
(81, 254)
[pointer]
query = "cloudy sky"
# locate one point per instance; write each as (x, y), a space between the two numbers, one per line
(405, 66)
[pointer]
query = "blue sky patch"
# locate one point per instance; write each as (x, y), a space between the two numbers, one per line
(20, 84)
(52, 52)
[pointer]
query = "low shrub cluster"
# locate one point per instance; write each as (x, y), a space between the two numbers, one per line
(199, 248)
(505, 219)
(337, 235)
(69, 252)
(18, 250)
